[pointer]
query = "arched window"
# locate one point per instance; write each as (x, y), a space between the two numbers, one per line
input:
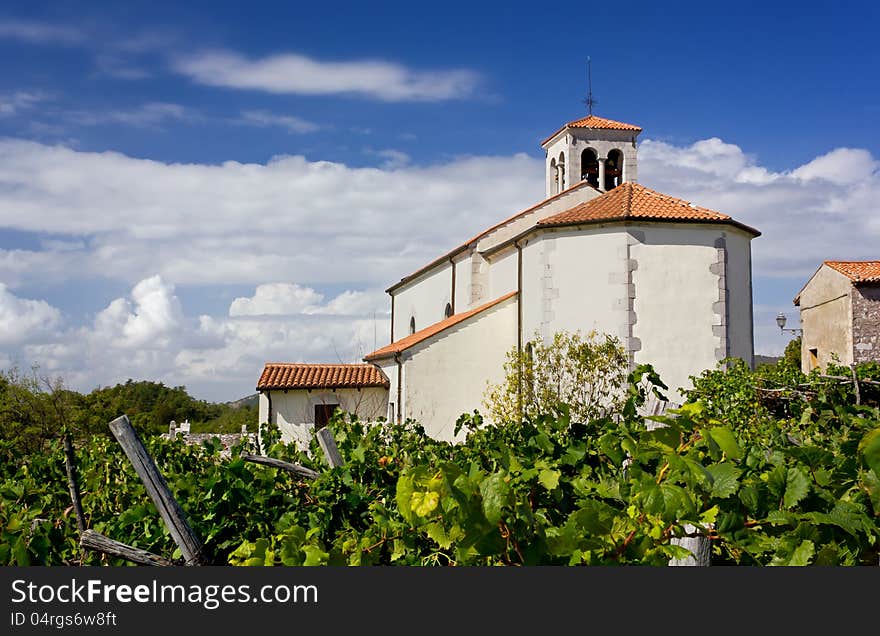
(561, 165)
(554, 172)
(412, 324)
(448, 311)
(590, 167)
(613, 169)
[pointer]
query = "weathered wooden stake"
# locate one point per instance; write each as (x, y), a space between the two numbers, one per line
(171, 512)
(700, 547)
(296, 469)
(72, 485)
(99, 543)
(852, 368)
(328, 445)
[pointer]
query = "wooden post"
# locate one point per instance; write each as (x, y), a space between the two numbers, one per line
(296, 469)
(700, 547)
(157, 488)
(72, 486)
(328, 445)
(855, 379)
(99, 543)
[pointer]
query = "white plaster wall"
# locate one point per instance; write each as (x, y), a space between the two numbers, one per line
(425, 299)
(462, 282)
(674, 296)
(739, 283)
(448, 374)
(294, 411)
(503, 272)
(569, 282)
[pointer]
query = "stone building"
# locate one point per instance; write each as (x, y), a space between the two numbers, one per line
(672, 280)
(840, 314)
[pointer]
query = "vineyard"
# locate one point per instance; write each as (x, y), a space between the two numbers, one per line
(772, 468)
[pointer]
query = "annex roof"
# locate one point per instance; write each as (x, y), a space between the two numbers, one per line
(599, 123)
(631, 201)
(287, 375)
(420, 336)
(857, 271)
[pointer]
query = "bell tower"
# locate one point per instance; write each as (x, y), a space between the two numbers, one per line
(593, 149)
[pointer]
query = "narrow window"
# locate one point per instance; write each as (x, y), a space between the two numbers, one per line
(412, 324)
(323, 413)
(448, 311)
(561, 172)
(555, 172)
(814, 358)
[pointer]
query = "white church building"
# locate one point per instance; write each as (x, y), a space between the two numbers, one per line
(672, 280)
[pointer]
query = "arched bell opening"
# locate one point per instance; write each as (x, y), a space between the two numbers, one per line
(590, 167)
(613, 169)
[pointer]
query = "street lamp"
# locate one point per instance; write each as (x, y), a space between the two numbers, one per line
(780, 320)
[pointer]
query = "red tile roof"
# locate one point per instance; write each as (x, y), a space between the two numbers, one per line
(633, 201)
(413, 339)
(592, 121)
(858, 271)
(284, 375)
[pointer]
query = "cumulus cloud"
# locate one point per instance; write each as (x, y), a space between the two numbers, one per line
(234, 223)
(287, 299)
(151, 317)
(297, 74)
(23, 320)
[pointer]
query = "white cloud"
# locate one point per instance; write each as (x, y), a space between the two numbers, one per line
(317, 222)
(40, 32)
(842, 167)
(289, 123)
(23, 320)
(298, 74)
(288, 299)
(13, 103)
(146, 115)
(150, 318)
(276, 299)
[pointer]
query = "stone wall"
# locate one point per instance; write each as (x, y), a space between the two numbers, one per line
(866, 323)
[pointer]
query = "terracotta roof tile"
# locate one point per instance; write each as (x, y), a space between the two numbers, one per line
(634, 201)
(592, 121)
(413, 339)
(858, 271)
(284, 375)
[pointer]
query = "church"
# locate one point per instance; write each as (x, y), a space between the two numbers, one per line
(670, 279)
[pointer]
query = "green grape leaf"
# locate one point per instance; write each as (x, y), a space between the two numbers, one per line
(797, 485)
(496, 494)
(726, 441)
(724, 479)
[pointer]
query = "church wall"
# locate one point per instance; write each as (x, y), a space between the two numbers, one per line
(447, 375)
(676, 290)
(294, 411)
(503, 274)
(739, 298)
(571, 282)
(425, 299)
(462, 283)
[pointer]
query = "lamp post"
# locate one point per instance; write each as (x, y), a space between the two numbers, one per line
(780, 320)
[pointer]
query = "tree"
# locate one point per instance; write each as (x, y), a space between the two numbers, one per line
(587, 373)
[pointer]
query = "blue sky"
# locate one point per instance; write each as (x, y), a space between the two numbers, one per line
(161, 162)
